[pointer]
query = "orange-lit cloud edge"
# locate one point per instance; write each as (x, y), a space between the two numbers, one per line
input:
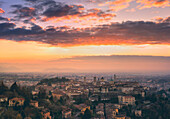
(98, 41)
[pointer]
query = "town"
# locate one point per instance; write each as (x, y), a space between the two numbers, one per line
(99, 98)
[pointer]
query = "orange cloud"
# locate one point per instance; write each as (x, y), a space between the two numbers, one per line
(118, 4)
(162, 20)
(153, 3)
(1, 10)
(158, 19)
(122, 4)
(92, 15)
(129, 33)
(119, 7)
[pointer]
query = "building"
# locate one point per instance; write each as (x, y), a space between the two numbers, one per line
(138, 112)
(100, 106)
(34, 103)
(57, 94)
(66, 113)
(121, 117)
(84, 79)
(111, 110)
(93, 98)
(3, 98)
(100, 111)
(82, 107)
(128, 100)
(16, 101)
(94, 80)
(127, 89)
(102, 79)
(46, 114)
(115, 77)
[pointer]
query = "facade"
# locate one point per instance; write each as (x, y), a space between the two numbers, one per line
(66, 113)
(128, 100)
(138, 112)
(121, 117)
(34, 103)
(57, 94)
(46, 114)
(82, 107)
(3, 98)
(16, 102)
(127, 89)
(100, 109)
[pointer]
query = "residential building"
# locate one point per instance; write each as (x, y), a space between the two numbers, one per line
(66, 113)
(3, 98)
(82, 107)
(34, 103)
(128, 100)
(16, 101)
(46, 114)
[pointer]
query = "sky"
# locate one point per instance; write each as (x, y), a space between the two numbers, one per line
(85, 36)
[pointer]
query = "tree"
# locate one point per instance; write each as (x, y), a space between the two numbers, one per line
(87, 114)
(50, 93)
(114, 99)
(9, 114)
(14, 87)
(32, 112)
(51, 99)
(42, 94)
(3, 88)
(18, 116)
(90, 93)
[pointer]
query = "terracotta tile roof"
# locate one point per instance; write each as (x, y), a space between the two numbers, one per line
(17, 99)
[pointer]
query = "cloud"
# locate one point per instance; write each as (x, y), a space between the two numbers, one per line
(153, 3)
(32, 1)
(61, 10)
(162, 20)
(1, 10)
(130, 33)
(118, 2)
(49, 10)
(112, 63)
(122, 63)
(6, 27)
(118, 5)
(4, 19)
(94, 1)
(5, 67)
(23, 12)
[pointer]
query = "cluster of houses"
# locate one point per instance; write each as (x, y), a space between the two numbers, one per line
(106, 90)
(96, 91)
(18, 101)
(12, 102)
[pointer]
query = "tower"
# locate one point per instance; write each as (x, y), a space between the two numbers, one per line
(111, 81)
(114, 76)
(85, 79)
(95, 79)
(102, 79)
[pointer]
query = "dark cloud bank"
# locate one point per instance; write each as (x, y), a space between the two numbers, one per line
(130, 32)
